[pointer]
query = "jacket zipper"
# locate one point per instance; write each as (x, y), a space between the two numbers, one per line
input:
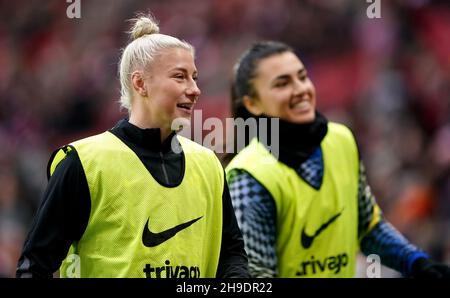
(163, 166)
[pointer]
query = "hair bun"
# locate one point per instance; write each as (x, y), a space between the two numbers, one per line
(143, 25)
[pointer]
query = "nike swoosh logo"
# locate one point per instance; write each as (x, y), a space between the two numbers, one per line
(150, 239)
(307, 240)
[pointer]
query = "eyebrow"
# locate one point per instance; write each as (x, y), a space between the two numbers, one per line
(286, 76)
(184, 70)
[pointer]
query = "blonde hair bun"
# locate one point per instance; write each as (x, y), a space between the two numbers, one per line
(143, 25)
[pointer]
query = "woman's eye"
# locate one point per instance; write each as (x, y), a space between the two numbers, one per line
(302, 76)
(179, 76)
(280, 84)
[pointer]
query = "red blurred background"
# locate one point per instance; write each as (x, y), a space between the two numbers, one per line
(387, 78)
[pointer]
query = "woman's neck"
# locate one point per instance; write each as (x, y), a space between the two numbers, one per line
(143, 122)
(298, 141)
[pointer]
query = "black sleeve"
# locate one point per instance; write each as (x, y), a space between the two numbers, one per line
(233, 260)
(61, 219)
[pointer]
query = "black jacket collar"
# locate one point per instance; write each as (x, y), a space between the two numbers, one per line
(148, 138)
(298, 141)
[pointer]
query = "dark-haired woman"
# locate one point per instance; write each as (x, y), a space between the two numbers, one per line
(307, 211)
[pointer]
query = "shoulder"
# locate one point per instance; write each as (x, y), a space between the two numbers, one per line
(190, 146)
(254, 157)
(94, 139)
(340, 129)
(339, 137)
(200, 154)
(69, 155)
(64, 157)
(341, 133)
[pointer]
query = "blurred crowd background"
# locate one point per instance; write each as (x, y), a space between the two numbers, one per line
(387, 78)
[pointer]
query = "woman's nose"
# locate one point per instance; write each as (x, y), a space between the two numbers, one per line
(299, 87)
(194, 90)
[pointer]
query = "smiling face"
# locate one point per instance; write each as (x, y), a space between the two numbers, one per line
(168, 89)
(172, 85)
(283, 89)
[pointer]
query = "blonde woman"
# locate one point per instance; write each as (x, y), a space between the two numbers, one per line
(138, 200)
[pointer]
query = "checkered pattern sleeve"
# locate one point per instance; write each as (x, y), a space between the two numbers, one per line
(368, 211)
(255, 213)
(377, 236)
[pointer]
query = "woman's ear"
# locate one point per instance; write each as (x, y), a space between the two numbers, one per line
(137, 79)
(252, 105)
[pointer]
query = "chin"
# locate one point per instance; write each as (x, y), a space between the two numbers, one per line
(305, 118)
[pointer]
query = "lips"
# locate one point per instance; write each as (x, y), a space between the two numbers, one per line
(301, 106)
(187, 106)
